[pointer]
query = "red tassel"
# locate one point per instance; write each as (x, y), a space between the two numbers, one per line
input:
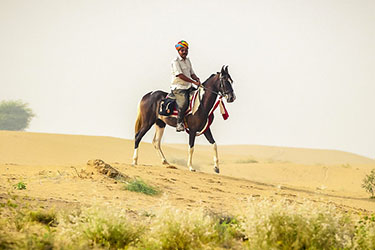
(223, 110)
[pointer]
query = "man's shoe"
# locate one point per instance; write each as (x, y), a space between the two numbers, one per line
(180, 127)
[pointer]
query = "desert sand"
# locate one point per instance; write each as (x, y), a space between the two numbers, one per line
(55, 171)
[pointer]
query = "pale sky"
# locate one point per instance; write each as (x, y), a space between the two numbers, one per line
(303, 71)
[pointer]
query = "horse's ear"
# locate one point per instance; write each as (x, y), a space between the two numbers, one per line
(223, 69)
(226, 69)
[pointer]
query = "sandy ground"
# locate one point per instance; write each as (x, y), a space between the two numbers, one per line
(51, 166)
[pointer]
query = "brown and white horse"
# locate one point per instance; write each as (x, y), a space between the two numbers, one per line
(216, 84)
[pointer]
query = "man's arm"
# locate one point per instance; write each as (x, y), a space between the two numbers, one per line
(187, 79)
(196, 78)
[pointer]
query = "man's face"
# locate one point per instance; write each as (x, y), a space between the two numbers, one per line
(183, 52)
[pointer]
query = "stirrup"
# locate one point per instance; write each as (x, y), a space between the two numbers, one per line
(180, 127)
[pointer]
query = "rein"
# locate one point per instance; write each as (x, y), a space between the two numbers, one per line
(215, 92)
(210, 90)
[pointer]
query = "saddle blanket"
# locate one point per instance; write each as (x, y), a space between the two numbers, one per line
(168, 107)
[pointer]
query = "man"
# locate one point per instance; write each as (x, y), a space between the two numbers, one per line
(183, 77)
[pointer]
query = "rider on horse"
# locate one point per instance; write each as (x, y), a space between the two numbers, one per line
(182, 78)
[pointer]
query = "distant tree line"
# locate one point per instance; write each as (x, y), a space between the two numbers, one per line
(15, 115)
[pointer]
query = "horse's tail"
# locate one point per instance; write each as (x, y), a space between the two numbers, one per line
(138, 121)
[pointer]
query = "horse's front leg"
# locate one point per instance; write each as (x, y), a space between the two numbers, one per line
(159, 130)
(211, 140)
(191, 150)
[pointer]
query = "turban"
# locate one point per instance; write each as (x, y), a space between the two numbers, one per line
(181, 44)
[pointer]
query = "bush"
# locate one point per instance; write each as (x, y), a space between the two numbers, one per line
(20, 185)
(369, 183)
(176, 229)
(15, 115)
(22, 228)
(138, 185)
(229, 231)
(43, 239)
(95, 228)
(180, 229)
(283, 225)
(44, 217)
(365, 233)
(111, 233)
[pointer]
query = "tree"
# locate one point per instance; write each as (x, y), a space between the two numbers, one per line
(369, 183)
(15, 115)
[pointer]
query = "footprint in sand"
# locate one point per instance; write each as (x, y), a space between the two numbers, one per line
(166, 179)
(218, 189)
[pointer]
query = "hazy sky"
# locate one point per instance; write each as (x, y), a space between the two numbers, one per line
(304, 71)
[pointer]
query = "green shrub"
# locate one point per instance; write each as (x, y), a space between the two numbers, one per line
(111, 233)
(365, 233)
(138, 185)
(369, 183)
(178, 229)
(23, 232)
(44, 217)
(283, 225)
(229, 231)
(20, 186)
(99, 228)
(5, 242)
(38, 240)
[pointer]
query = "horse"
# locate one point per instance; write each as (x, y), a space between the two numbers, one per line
(219, 84)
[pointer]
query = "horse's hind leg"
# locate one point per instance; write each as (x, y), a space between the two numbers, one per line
(211, 140)
(138, 138)
(159, 130)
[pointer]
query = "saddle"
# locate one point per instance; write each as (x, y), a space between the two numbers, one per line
(168, 105)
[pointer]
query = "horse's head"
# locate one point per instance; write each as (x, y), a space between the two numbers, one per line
(225, 87)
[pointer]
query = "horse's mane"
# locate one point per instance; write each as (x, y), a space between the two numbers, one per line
(208, 79)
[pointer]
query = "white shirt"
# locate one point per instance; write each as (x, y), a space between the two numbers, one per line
(181, 66)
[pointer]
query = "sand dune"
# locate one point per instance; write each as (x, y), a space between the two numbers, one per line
(49, 164)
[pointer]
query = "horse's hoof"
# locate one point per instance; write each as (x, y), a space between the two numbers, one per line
(192, 169)
(217, 170)
(164, 162)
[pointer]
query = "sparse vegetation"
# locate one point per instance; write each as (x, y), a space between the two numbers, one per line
(285, 225)
(44, 217)
(365, 233)
(23, 228)
(138, 185)
(15, 115)
(369, 183)
(20, 185)
(265, 224)
(180, 229)
(109, 231)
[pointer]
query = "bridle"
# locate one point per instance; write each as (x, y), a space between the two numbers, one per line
(222, 80)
